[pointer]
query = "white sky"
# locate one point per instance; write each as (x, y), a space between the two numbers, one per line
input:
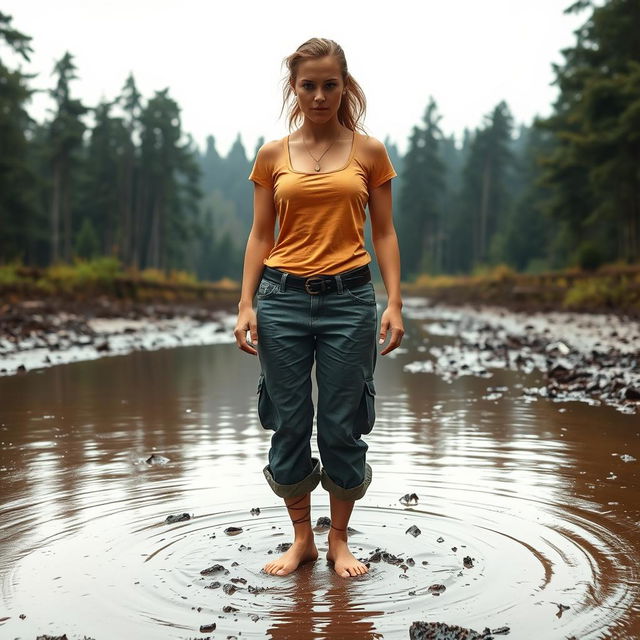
(222, 60)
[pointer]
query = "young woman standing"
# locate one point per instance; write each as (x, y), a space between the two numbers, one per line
(315, 299)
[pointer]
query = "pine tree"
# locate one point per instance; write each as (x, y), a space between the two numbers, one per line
(17, 181)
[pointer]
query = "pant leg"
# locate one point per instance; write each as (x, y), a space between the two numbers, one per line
(285, 349)
(345, 362)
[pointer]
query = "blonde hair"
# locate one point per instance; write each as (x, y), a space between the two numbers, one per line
(353, 105)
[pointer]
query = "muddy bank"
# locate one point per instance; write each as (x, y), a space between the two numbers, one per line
(41, 333)
(612, 289)
(592, 358)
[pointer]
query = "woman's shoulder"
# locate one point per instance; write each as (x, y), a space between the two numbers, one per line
(370, 147)
(270, 151)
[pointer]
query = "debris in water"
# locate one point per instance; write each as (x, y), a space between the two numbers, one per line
(442, 631)
(409, 499)
(322, 524)
(156, 459)
(414, 531)
(178, 518)
(255, 511)
(233, 531)
(625, 457)
(214, 570)
(437, 589)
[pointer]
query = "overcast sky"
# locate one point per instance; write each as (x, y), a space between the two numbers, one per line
(222, 60)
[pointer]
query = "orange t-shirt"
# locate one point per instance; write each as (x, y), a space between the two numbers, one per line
(321, 215)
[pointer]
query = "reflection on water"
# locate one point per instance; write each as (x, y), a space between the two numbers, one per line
(535, 493)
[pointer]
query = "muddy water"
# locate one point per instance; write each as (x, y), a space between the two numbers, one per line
(533, 492)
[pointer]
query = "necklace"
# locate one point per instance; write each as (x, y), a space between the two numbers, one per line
(317, 160)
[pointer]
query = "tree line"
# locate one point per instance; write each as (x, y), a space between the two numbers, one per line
(564, 190)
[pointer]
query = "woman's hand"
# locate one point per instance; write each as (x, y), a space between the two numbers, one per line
(391, 321)
(246, 322)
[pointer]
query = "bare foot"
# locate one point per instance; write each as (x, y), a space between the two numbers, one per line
(344, 562)
(299, 552)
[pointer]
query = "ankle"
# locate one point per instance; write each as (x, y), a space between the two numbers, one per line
(303, 534)
(337, 536)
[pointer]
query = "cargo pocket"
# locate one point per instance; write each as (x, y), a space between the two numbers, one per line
(367, 411)
(265, 406)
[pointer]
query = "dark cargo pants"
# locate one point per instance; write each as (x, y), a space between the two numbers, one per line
(339, 330)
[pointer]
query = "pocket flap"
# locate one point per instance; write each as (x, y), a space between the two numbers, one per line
(371, 388)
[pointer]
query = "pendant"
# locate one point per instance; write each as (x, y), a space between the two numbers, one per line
(317, 167)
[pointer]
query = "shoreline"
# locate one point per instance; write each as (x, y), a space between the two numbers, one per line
(35, 334)
(585, 357)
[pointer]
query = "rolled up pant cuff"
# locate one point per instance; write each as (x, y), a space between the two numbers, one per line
(355, 493)
(306, 485)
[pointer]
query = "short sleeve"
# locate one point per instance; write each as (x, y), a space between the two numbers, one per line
(381, 168)
(262, 172)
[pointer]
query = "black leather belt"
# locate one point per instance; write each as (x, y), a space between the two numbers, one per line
(320, 284)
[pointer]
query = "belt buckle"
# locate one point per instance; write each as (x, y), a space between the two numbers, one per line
(307, 284)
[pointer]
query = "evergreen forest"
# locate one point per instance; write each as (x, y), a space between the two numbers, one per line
(123, 179)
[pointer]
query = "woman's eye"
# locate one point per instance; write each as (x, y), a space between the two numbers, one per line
(308, 86)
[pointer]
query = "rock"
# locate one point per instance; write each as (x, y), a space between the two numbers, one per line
(437, 589)
(251, 589)
(322, 524)
(500, 631)
(156, 459)
(229, 589)
(440, 539)
(216, 569)
(467, 562)
(178, 518)
(414, 531)
(409, 499)
(442, 631)
(283, 546)
(205, 628)
(233, 531)
(384, 556)
(631, 393)
(229, 609)
(239, 580)
(255, 511)
(625, 457)
(212, 585)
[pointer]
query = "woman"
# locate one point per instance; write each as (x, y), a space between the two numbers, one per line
(315, 297)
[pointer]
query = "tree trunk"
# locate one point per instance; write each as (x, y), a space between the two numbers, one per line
(484, 209)
(55, 213)
(66, 209)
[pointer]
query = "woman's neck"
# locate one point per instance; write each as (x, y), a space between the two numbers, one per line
(318, 133)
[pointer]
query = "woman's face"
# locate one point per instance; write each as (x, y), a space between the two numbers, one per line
(319, 87)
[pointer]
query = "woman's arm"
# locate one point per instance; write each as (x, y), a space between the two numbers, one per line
(259, 244)
(385, 243)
